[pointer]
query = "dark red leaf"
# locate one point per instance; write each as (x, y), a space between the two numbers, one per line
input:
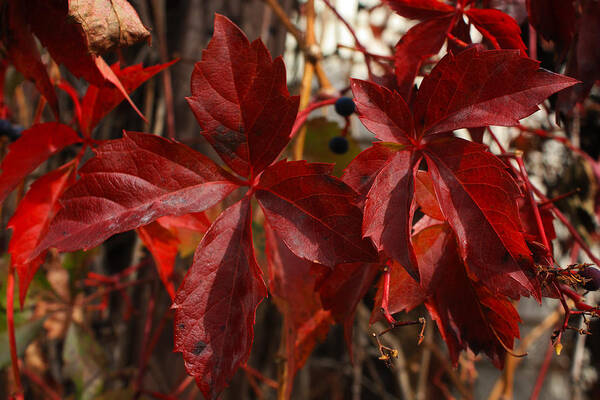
(478, 198)
(389, 210)
(34, 147)
(313, 212)
(467, 313)
(584, 59)
(162, 244)
(361, 172)
(23, 53)
(478, 88)
(343, 288)
(383, 112)
(418, 44)
(30, 222)
(217, 301)
(477, 134)
(555, 20)
(131, 182)
(293, 288)
(420, 9)
(497, 27)
(241, 101)
(100, 100)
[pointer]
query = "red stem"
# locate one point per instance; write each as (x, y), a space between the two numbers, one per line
(303, 115)
(49, 393)
(568, 225)
(534, 205)
(357, 42)
(532, 42)
(386, 296)
(10, 320)
(145, 353)
(253, 372)
(543, 371)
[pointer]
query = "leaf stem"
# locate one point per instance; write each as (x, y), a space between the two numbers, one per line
(10, 320)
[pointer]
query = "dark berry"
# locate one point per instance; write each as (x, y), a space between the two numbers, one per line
(345, 106)
(338, 145)
(592, 278)
(12, 132)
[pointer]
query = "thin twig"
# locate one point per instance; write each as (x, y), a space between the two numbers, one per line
(160, 24)
(357, 42)
(309, 70)
(543, 371)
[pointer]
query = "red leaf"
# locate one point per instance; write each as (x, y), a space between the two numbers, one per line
(478, 198)
(425, 196)
(194, 222)
(217, 301)
(418, 44)
(419, 9)
(555, 20)
(479, 320)
(389, 210)
(383, 112)
(313, 212)
(499, 28)
(100, 100)
(343, 288)
(584, 59)
(405, 293)
(479, 88)
(34, 147)
(131, 182)
(162, 244)
(363, 170)
(241, 101)
(293, 288)
(23, 53)
(31, 219)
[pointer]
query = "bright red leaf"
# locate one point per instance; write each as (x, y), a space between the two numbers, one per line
(31, 219)
(497, 27)
(34, 147)
(425, 196)
(241, 101)
(162, 244)
(216, 303)
(313, 212)
(100, 100)
(131, 182)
